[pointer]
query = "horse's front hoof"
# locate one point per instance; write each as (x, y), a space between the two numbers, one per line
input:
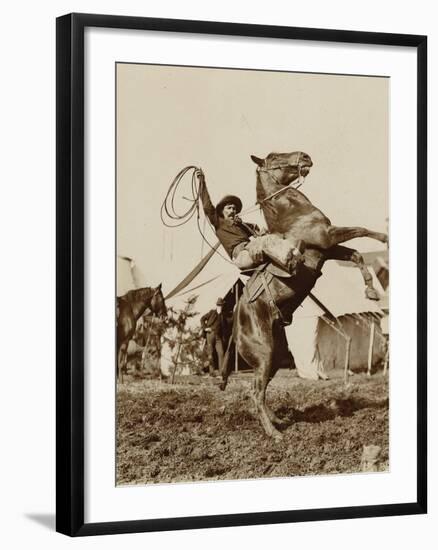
(371, 294)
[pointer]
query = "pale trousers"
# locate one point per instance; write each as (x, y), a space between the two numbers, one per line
(261, 249)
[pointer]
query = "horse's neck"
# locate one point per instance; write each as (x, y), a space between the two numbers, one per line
(140, 300)
(265, 186)
(278, 210)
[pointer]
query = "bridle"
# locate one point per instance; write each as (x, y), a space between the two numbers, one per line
(160, 307)
(295, 184)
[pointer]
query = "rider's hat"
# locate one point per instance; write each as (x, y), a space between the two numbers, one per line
(228, 199)
(220, 302)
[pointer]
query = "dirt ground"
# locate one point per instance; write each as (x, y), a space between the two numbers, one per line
(192, 431)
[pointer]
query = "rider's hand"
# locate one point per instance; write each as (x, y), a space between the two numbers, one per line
(237, 219)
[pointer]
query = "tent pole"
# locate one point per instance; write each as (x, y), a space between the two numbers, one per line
(385, 365)
(347, 358)
(236, 355)
(370, 349)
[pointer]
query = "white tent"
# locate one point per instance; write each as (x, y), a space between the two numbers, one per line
(128, 276)
(125, 280)
(339, 291)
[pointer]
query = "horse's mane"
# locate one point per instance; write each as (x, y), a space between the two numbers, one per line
(132, 295)
(269, 207)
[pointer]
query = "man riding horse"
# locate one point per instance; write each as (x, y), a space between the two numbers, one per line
(289, 215)
(249, 247)
(245, 243)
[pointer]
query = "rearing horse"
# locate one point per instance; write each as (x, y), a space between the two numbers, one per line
(258, 335)
(289, 212)
(130, 308)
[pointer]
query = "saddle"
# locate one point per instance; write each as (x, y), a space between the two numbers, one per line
(260, 281)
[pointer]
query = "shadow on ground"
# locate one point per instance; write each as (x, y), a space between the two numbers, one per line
(329, 411)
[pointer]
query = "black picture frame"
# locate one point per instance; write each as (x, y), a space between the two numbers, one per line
(70, 273)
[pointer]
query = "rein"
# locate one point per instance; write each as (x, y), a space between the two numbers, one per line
(295, 184)
(292, 185)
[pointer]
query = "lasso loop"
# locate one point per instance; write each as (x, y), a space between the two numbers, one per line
(169, 215)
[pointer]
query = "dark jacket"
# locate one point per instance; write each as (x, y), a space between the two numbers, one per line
(211, 320)
(229, 233)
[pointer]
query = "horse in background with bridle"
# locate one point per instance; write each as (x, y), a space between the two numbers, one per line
(130, 308)
(257, 329)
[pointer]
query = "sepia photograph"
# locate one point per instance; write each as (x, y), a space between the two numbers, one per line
(252, 274)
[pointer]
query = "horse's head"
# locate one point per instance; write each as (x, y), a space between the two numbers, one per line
(158, 305)
(284, 168)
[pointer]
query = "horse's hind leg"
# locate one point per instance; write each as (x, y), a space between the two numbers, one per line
(281, 348)
(256, 350)
(267, 417)
(260, 355)
(254, 342)
(339, 235)
(350, 255)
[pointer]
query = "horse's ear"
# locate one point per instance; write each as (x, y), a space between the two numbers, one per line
(259, 162)
(158, 288)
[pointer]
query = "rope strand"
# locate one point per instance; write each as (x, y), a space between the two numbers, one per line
(168, 213)
(169, 216)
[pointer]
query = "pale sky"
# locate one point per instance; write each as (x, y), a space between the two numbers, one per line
(171, 117)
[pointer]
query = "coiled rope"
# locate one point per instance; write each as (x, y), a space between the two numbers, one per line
(170, 217)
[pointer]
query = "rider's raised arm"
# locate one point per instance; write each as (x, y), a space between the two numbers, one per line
(207, 205)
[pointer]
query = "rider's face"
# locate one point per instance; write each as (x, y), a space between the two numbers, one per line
(229, 211)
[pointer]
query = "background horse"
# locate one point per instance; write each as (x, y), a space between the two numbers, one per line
(257, 330)
(130, 308)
